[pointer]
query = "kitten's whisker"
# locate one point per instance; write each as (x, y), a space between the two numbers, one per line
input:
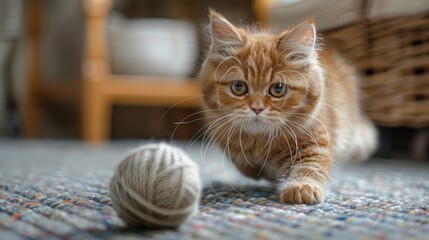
(223, 61)
(190, 115)
(291, 133)
(184, 100)
(209, 126)
(241, 147)
(326, 104)
(308, 133)
(321, 123)
(292, 158)
(294, 136)
(290, 70)
(193, 120)
(218, 138)
(227, 72)
(217, 135)
(270, 141)
(202, 146)
(279, 133)
(202, 128)
(212, 188)
(213, 133)
(286, 138)
(231, 128)
(222, 123)
(303, 129)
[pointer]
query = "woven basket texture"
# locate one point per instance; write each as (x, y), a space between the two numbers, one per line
(393, 58)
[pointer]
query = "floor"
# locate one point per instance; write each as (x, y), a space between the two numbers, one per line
(59, 189)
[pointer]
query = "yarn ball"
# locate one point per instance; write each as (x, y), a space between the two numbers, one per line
(156, 186)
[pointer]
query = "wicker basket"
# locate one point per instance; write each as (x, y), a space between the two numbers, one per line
(393, 57)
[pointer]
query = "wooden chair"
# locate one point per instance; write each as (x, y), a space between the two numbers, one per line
(99, 89)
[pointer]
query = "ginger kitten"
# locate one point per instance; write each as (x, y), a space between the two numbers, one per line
(282, 108)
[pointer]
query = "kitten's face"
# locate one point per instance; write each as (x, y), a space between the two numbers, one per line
(258, 82)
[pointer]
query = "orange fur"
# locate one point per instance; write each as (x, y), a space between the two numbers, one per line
(293, 138)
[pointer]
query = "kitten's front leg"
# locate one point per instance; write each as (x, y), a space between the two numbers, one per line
(307, 176)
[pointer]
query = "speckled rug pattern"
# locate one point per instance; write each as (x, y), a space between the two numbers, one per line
(59, 190)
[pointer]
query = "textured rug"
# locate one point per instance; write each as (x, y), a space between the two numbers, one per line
(59, 189)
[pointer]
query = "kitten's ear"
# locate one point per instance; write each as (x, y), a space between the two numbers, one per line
(223, 33)
(299, 44)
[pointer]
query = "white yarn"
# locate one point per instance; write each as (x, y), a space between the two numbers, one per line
(157, 185)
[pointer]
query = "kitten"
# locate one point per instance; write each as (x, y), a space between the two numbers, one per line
(282, 108)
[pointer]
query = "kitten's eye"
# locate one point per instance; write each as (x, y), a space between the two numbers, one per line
(278, 90)
(239, 88)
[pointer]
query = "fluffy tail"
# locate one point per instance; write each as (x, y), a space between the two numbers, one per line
(365, 139)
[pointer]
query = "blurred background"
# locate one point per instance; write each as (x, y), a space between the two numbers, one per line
(102, 70)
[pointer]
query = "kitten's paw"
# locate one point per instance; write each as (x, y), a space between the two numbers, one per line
(302, 192)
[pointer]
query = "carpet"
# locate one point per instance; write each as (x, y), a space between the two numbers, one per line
(59, 190)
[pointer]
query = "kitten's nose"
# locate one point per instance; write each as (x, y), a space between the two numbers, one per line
(257, 110)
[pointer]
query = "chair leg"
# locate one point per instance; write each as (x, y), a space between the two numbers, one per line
(30, 113)
(420, 144)
(95, 105)
(96, 113)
